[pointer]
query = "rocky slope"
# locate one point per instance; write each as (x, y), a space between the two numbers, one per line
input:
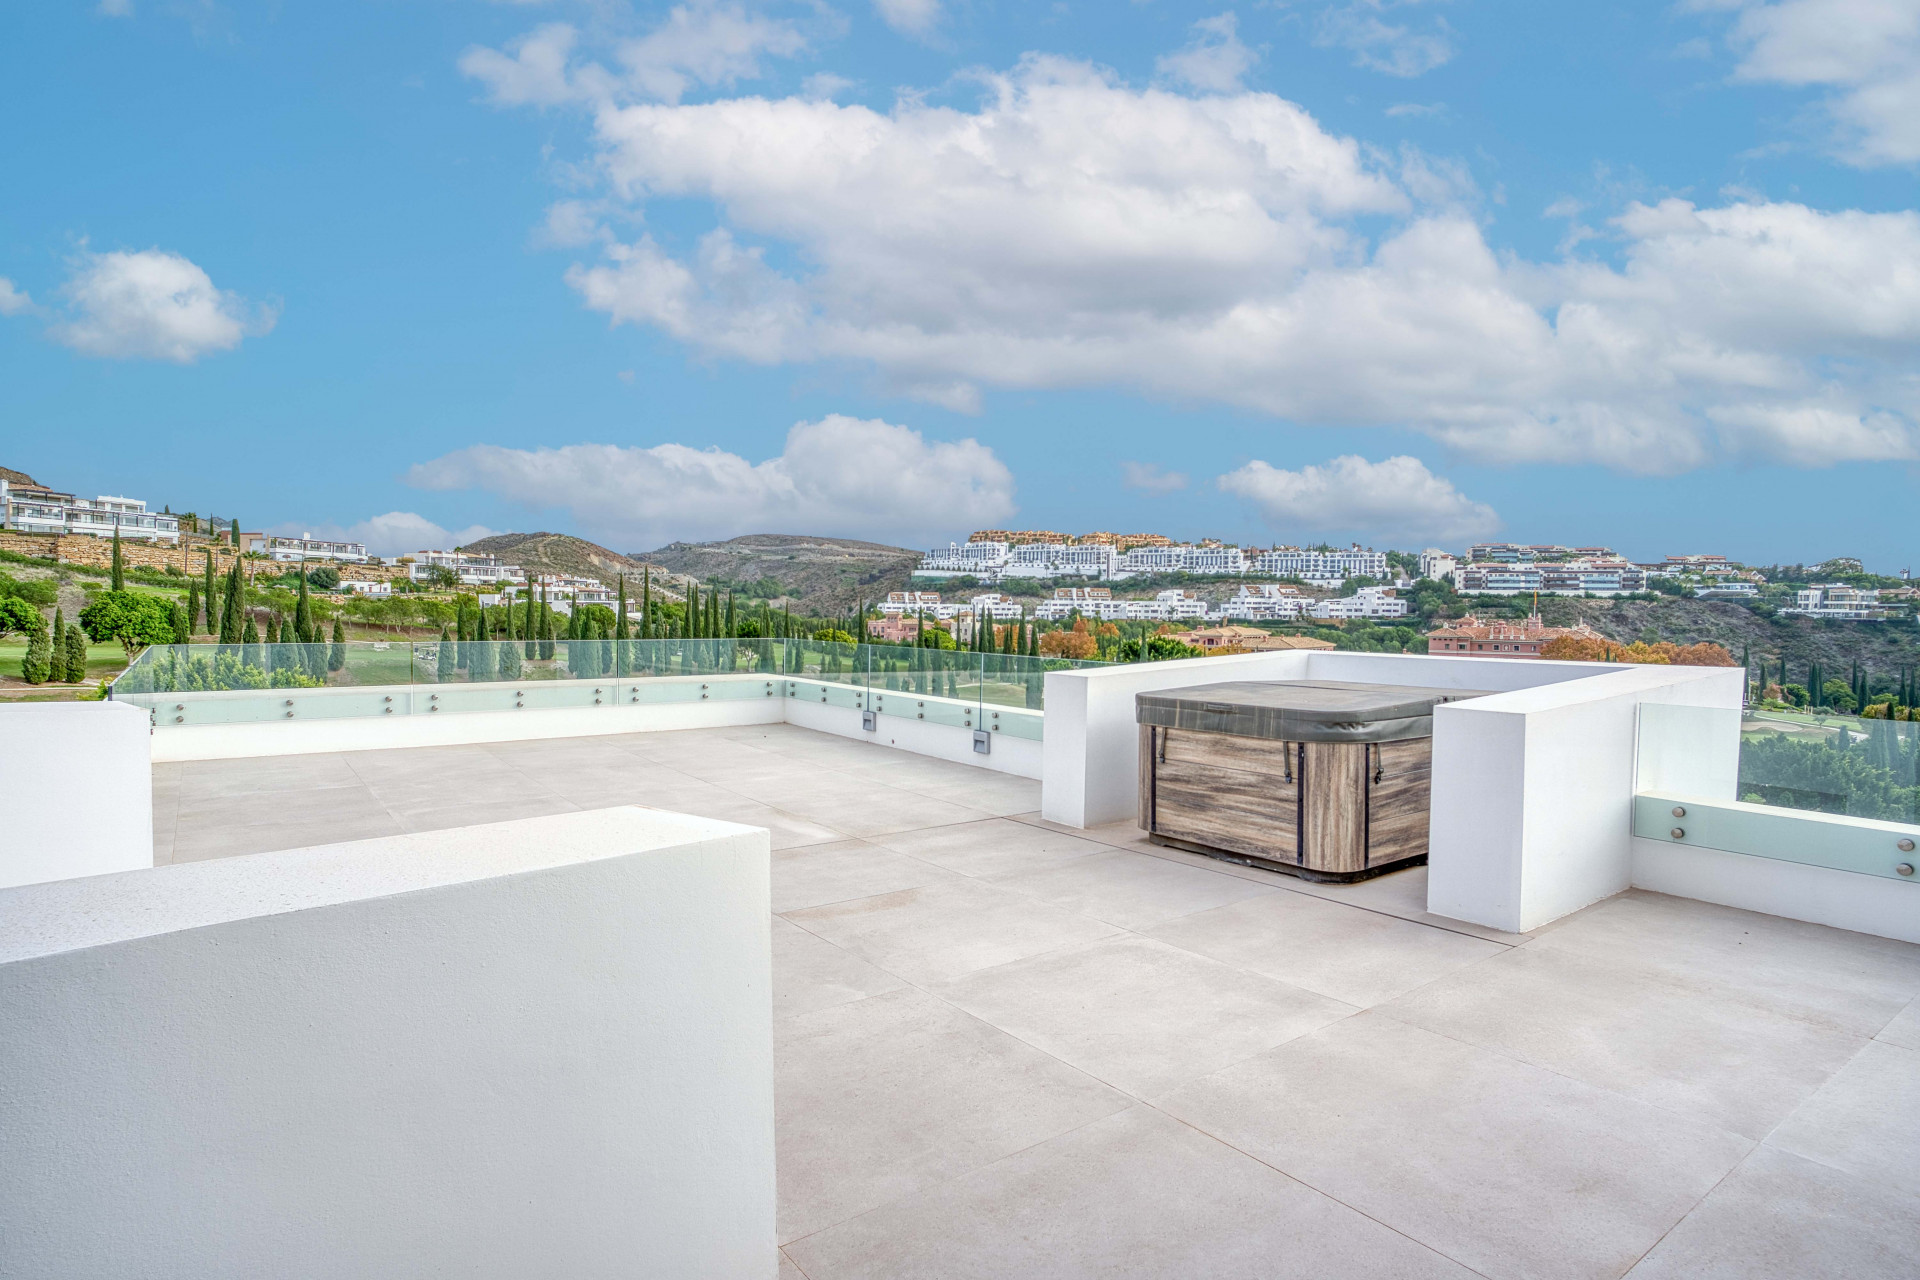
(1880, 647)
(825, 575)
(561, 553)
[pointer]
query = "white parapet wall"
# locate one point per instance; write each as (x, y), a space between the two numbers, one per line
(1533, 790)
(535, 1048)
(77, 790)
(1533, 783)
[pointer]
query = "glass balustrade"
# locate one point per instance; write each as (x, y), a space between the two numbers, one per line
(227, 684)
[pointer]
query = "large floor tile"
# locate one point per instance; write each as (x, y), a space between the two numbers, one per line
(948, 929)
(1904, 1028)
(1507, 1168)
(1133, 1195)
(477, 810)
(1779, 1217)
(810, 973)
(1130, 889)
(1866, 1119)
(894, 1094)
(993, 847)
(1637, 1032)
(194, 841)
(841, 871)
(1139, 1014)
(1850, 981)
(1360, 957)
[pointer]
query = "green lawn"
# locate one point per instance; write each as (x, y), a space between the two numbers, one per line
(104, 661)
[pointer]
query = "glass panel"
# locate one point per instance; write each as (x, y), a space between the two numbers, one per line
(1820, 762)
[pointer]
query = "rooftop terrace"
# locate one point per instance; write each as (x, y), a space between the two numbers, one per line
(1005, 1048)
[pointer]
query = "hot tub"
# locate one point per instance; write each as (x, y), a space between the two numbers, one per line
(1324, 779)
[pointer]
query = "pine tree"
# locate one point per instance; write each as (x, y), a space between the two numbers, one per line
(57, 650)
(37, 663)
(337, 658)
(119, 563)
(77, 655)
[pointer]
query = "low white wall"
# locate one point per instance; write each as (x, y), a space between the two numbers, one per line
(1821, 895)
(76, 788)
(1093, 744)
(375, 733)
(539, 1048)
(1533, 791)
(1019, 756)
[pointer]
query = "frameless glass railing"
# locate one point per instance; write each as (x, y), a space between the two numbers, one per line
(184, 685)
(1817, 787)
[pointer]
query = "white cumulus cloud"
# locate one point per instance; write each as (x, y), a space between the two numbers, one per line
(1151, 477)
(1073, 231)
(1865, 53)
(701, 44)
(1384, 36)
(392, 534)
(1396, 498)
(915, 18)
(13, 299)
(1214, 61)
(152, 305)
(840, 475)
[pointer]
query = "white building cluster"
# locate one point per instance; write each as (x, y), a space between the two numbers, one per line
(996, 561)
(34, 508)
(1839, 602)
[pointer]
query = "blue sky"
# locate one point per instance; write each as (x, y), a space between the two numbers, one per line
(1415, 273)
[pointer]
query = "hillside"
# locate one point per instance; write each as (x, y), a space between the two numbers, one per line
(827, 575)
(560, 553)
(1881, 647)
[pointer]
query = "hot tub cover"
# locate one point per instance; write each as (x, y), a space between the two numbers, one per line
(1299, 710)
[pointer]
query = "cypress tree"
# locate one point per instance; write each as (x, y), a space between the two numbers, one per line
(38, 660)
(337, 658)
(646, 603)
(622, 660)
(733, 625)
(230, 607)
(77, 654)
(480, 660)
(443, 659)
(193, 608)
(57, 650)
(546, 625)
(507, 655)
(526, 630)
(274, 635)
(303, 631)
(207, 595)
(250, 643)
(182, 629)
(119, 564)
(233, 533)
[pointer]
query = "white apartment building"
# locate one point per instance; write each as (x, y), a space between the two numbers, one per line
(1728, 591)
(911, 602)
(1552, 578)
(1264, 602)
(981, 559)
(1321, 566)
(34, 509)
(1060, 560)
(1088, 602)
(561, 590)
(996, 606)
(1840, 602)
(305, 547)
(1184, 558)
(1367, 602)
(471, 570)
(1168, 606)
(1437, 564)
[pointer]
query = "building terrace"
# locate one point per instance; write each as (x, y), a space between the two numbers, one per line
(1007, 1045)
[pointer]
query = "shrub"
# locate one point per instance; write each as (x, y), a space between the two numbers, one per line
(1068, 644)
(326, 577)
(134, 620)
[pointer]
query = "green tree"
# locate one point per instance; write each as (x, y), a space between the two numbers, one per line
(193, 609)
(119, 562)
(233, 533)
(77, 654)
(17, 616)
(208, 595)
(57, 650)
(303, 628)
(546, 626)
(326, 577)
(444, 659)
(37, 664)
(133, 619)
(337, 656)
(230, 606)
(182, 627)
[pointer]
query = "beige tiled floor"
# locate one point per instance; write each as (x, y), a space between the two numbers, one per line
(1006, 1048)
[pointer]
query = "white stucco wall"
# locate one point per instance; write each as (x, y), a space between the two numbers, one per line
(77, 790)
(1533, 791)
(1018, 756)
(538, 1048)
(1821, 895)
